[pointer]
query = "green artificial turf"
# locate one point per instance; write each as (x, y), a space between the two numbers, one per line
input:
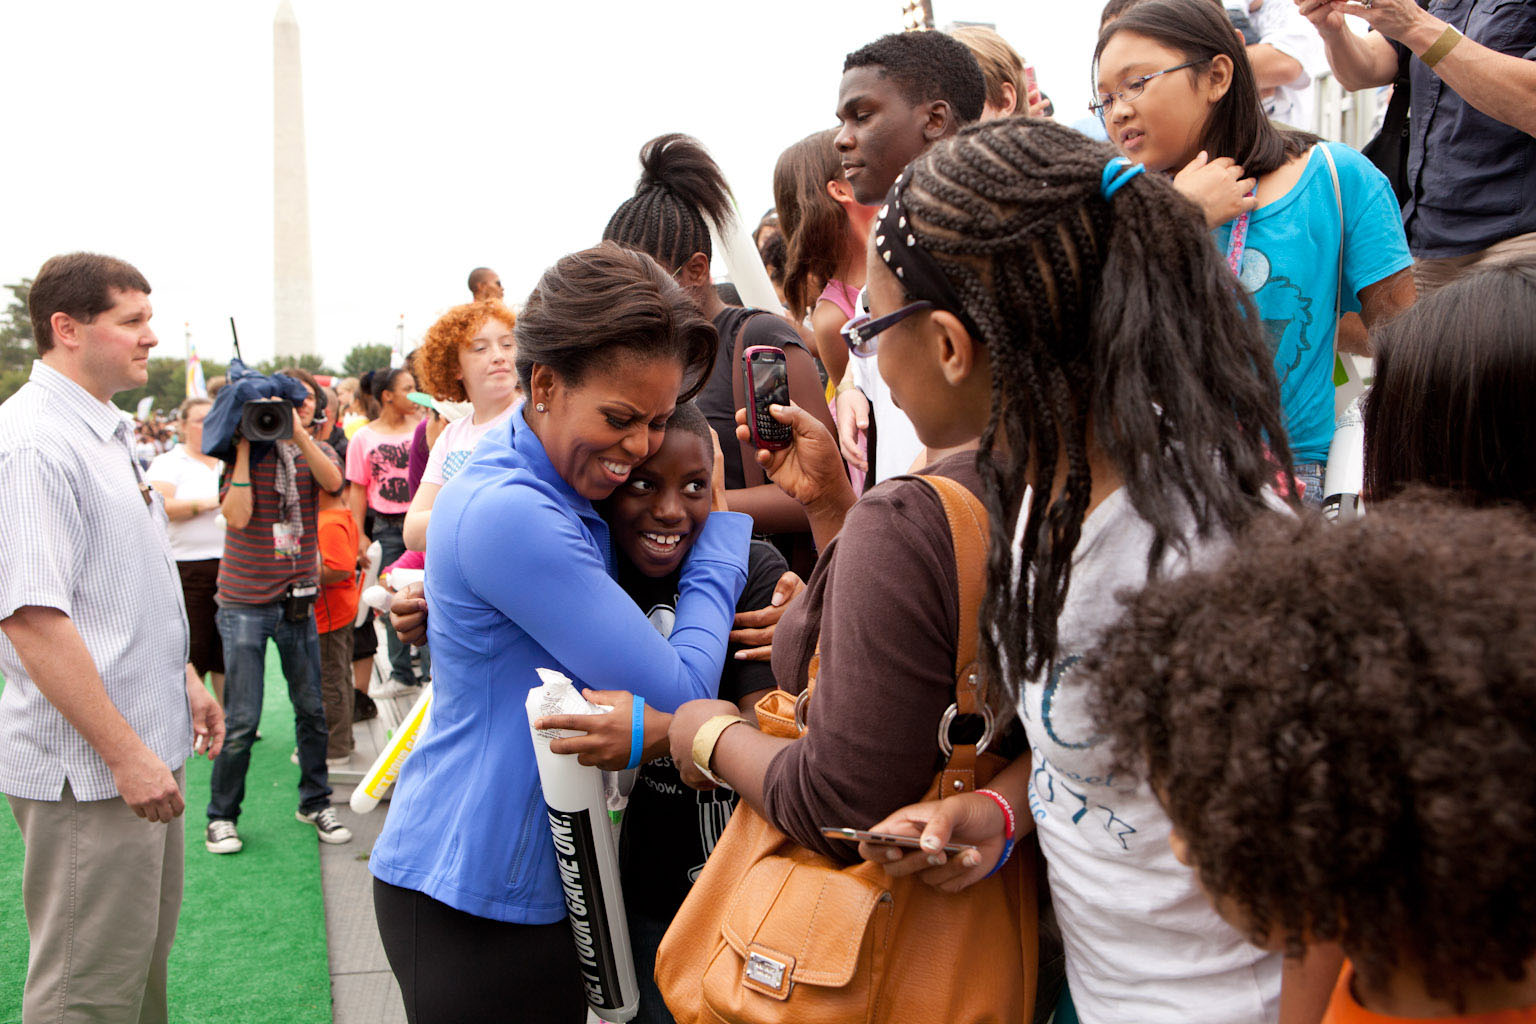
(251, 942)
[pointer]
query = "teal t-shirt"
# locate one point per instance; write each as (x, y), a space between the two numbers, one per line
(1291, 268)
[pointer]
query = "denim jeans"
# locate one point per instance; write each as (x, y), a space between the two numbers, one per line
(644, 940)
(1311, 474)
(245, 629)
(387, 531)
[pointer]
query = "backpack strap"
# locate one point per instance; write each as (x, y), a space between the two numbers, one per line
(752, 474)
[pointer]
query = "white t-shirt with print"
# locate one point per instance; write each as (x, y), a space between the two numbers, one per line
(1143, 945)
(202, 536)
(456, 444)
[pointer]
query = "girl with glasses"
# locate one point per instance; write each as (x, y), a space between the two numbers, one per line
(1311, 229)
(1028, 288)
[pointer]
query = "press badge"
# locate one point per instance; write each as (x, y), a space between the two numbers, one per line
(285, 541)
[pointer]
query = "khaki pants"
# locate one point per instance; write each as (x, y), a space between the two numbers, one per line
(1432, 274)
(336, 689)
(102, 889)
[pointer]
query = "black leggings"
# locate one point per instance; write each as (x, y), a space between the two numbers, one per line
(455, 967)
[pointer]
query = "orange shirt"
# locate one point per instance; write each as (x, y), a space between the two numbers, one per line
(337, 605)
(1343, 1008)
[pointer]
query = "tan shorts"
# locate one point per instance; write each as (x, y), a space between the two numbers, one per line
(1431, 274)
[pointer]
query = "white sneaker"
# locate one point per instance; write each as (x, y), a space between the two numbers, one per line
(221, 837)
(326, 825)
(338, 762)
(393, 688)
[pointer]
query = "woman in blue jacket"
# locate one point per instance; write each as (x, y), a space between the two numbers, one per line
(520, 577)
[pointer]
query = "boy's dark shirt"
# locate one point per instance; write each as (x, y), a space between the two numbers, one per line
(670, 829)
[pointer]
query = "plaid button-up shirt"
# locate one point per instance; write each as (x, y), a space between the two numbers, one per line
(77, 535)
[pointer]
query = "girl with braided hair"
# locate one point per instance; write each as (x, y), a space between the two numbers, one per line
(680, 192)
(1028, 287)
(1311, 229)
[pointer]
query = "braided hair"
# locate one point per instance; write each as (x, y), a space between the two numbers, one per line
(1117, 314)
(680, 185)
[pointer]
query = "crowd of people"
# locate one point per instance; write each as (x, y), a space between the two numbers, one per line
(1039, 587)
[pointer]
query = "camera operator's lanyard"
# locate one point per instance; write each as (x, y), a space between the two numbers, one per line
(1237, 246)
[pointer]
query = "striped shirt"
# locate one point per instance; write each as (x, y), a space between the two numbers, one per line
(79, 537)
(252, 570)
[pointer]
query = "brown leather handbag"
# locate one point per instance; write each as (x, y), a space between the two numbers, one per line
(772, 932)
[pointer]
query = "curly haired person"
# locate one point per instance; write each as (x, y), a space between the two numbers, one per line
(1367, 774)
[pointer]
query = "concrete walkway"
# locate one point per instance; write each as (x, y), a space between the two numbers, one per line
(363, 991)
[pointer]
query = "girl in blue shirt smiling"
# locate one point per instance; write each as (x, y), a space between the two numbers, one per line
(522, 577)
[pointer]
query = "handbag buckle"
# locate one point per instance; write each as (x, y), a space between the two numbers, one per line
(768, 974)
(988, 722)
(801, 702)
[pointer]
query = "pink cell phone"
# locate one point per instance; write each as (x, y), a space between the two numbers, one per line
(855, 835)
(767, 383)
(1031, 83)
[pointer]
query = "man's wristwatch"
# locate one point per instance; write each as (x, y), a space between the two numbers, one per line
(704, 744)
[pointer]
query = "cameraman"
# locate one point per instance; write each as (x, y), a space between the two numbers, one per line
(268, 580)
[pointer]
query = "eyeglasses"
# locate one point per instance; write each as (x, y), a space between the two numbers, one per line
(1132, 88)
(863, 334)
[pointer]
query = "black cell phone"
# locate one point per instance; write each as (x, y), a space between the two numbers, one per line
(767, 380)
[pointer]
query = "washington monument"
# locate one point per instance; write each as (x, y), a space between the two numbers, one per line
(293, 282)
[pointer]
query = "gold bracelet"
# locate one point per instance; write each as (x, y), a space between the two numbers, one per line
(704, 743)
(1442, 46)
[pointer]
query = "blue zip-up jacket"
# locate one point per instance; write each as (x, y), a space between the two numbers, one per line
(521, 577)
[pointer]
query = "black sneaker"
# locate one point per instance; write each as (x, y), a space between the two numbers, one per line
(220, 837)
(324, 820)
(363, 707)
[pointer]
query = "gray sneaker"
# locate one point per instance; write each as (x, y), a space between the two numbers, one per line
(220, 837)
(326, 825)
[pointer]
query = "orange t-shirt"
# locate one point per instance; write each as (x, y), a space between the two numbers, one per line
(1344, 1008)
(337, 605)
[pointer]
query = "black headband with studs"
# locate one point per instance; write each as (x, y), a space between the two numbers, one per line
(918, 272)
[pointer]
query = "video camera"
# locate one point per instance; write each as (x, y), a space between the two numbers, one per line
(266, 419)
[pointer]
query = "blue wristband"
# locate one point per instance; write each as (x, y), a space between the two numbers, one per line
(637, 734)
(1007, 852)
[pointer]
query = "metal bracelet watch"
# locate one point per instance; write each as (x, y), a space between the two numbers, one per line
(704, 744)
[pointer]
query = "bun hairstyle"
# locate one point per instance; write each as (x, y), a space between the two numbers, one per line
(680, 186)
(1120, 314)
(594, 305)
(381, 380)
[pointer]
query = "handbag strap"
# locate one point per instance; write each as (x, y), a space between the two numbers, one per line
(1340, 371)
(752, 474)
(967, 519)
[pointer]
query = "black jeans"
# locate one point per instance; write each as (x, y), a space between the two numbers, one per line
(455, 967)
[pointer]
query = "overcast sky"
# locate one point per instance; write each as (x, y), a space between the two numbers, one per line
(440, 136)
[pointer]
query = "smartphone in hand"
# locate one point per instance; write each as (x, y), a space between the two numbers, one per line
(854, 835)
(767, 383)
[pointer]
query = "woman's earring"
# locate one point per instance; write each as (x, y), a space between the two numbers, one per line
(540, 407)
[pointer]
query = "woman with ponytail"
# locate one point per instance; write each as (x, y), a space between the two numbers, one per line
(680, 192)
(1029, 289)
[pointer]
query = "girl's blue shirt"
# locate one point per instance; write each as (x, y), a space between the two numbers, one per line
(522, 576)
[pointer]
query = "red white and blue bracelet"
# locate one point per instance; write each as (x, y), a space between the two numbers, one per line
(1008, 829)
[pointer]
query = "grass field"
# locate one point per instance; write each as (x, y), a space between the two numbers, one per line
(251, 943)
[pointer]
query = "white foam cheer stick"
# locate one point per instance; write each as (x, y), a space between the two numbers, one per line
(386, 767)
(744, 264)
(585, 855)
